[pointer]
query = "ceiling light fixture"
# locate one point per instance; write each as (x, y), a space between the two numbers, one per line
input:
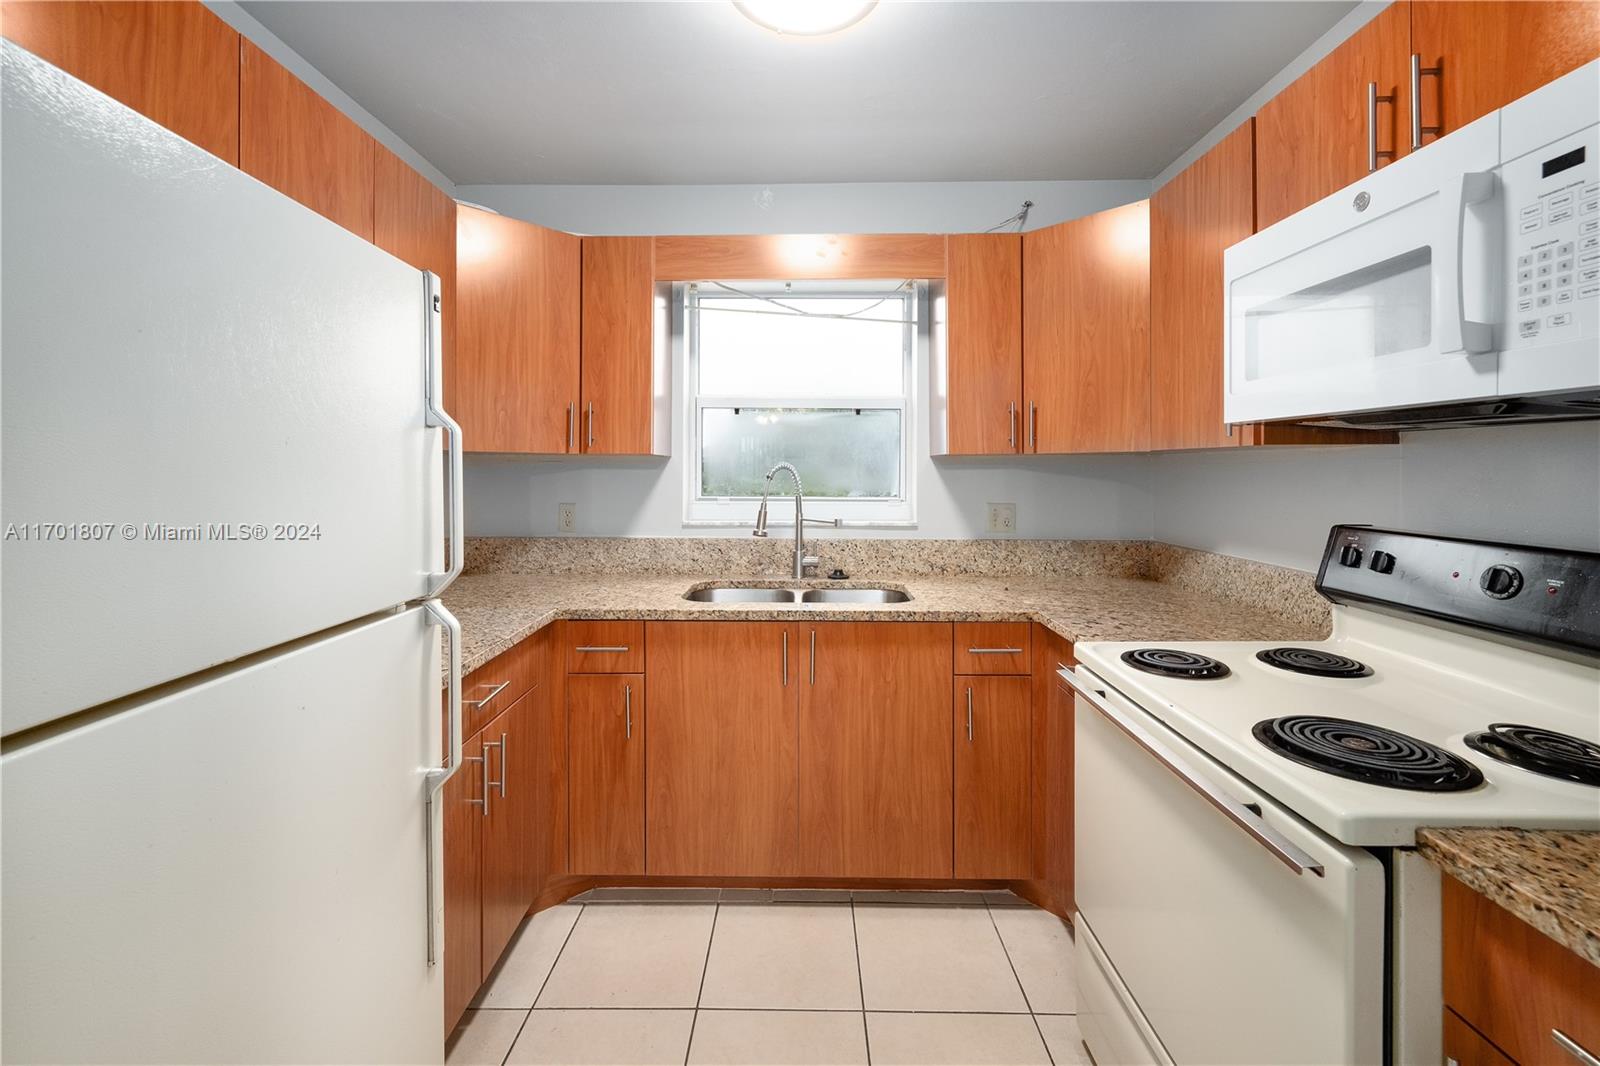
(805, 18)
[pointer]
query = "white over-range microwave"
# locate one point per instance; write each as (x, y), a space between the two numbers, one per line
(1457, 286)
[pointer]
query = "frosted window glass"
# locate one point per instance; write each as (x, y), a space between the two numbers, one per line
(840, 452)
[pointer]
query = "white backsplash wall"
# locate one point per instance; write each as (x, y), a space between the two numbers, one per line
(1532, 484)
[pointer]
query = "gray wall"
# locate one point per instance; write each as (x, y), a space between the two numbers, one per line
(868, 207)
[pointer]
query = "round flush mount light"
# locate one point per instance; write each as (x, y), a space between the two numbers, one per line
(805, 18)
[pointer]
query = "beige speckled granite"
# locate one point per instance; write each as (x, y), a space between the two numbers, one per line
(497, 610)
(1273, 588)
(1549, 879)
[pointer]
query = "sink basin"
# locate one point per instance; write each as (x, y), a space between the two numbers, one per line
(738, 595)
(853, 596)
(793, 597)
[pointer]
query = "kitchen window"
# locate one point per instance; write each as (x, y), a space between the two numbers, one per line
(815, 374)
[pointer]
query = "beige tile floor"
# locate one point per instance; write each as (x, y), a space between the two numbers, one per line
(635, 977)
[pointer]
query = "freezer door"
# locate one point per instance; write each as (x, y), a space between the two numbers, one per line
(214, 419)
(233, 872)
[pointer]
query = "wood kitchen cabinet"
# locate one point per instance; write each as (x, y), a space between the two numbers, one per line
(993, 726)
(875, 750)
(415, 221)
(462, 813)
(605, 766)
(723, 790)
(1463, 1046)
(1488, 54)
(977, 364)
(298, 143)
(1086, 333)
(626, 373)
(1049, 883)
(513, 378)
(1312, 138)
(510, 832)
(173, 61)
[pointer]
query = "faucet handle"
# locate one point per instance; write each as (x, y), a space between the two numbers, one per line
(810, 562)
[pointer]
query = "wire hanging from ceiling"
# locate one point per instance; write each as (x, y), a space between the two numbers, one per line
(1020, 219)
(790, 311)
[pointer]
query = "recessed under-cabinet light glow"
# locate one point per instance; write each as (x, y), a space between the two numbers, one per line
(805, 18)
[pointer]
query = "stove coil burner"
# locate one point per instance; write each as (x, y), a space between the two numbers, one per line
(1368, 753)
(1542, 751)
(1314, 662)
(1169, 662)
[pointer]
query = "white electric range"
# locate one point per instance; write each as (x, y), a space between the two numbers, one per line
(1245, 811)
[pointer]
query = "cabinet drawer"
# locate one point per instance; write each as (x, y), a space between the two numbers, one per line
(1513, 984)
(496, 685)
(595, 647)
(992, 647)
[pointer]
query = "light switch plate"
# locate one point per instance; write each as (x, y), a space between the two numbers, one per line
(567, 518)
(1002, 518)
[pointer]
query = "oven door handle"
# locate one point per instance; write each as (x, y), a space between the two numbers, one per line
(1281, 847)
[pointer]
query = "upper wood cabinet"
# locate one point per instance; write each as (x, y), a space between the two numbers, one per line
(415, 221)
(977, 366)
(512, 381)
(1086, 333)
(721, 766)
(172, 61)
(875, 749)
(303, 146)
(1490, 53)
(626, 386)
(1312, 138)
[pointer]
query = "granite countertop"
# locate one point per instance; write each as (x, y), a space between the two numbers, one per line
(497, 610)
(1549, 879)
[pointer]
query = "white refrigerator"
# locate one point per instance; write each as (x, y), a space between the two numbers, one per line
(225, 508)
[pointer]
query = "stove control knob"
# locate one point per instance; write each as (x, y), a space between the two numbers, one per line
(1350, 555)
(1501, 581)
(1383, 562)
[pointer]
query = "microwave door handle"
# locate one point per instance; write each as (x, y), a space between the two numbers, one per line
(1457, 333)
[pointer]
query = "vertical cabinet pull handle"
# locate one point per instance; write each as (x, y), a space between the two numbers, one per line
(1032, 426)
(813, 663)
(591, 425)
(505, 764)
(1373, 100)
(1573, 1048)
(488, 781)
(572, 427)
(969, 714)
(627, 712)
(1011, 413)
(1417, 128)
(785, 658)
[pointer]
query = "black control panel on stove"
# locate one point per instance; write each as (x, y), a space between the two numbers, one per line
(1547, 595)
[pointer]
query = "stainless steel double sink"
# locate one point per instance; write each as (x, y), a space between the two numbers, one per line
(794, 597)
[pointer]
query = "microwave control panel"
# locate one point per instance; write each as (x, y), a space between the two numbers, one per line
(1553, 207)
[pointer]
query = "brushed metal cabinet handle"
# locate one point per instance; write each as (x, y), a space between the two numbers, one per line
(1417, 128)
(488, 781)
(494, 690)
(505, 763)
(627, 712)
(813, 663)
(608, 649)
(1011, 413)
(969, 714)
(591, 425)
(572, 427)
(785, 658)
(994, 651)
(1373, 100)
(1573, 1048)
(1033, 424)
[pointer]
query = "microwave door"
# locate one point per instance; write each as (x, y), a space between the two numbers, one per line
(1375, 297)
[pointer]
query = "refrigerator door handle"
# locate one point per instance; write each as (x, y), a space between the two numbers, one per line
(434, 777)
(439, 418)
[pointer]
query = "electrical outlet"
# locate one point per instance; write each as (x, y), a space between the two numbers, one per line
(567, 518)
(1002, 518)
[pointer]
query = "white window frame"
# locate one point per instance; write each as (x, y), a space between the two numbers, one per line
(872, 512)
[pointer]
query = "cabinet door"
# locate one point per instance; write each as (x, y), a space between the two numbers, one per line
(1464, 1047)
(605, 765)
(1049, 882)
(1312, 138)
(984, 344)
(622, 374)
(463, 912)
(548, 717)
(1489, 54)
(510, 832)
(722, 789)
(174, 62)
(875, 773)
(992, 727)
(298, 143)
(1086, 333)
(415, 221)
(1193, 218)
(513, 381)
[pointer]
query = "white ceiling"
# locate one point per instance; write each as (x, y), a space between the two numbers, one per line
(600, 92)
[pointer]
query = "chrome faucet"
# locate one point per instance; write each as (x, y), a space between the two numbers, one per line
(801, 559)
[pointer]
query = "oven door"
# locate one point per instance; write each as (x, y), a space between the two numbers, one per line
(1225, 930)
(1379, 296)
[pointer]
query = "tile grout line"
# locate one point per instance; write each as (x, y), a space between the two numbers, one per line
(564, 941)
(705, 967)
(861, 983)
(1018, 977)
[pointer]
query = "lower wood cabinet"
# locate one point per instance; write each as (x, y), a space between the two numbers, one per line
(605, 767)
(875, 735)
(1465, 1046)
(993, 728)
(1049, 884)
(509, 830)
(722, 779)
(463, 797)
